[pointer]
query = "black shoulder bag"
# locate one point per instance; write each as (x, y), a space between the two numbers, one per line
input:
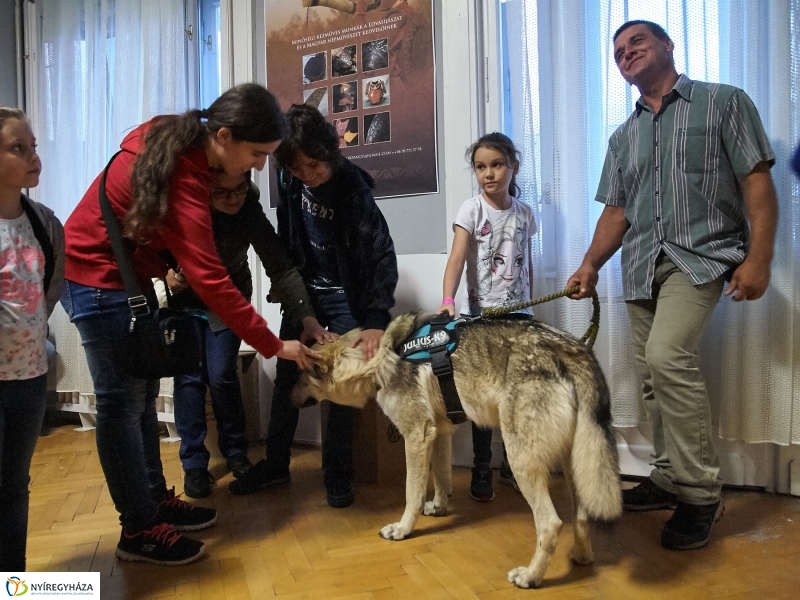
(44, 241)
(161, 343)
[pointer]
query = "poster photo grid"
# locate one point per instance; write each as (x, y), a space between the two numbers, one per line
(371, 91)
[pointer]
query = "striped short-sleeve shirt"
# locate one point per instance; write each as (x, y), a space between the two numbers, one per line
(678, 175)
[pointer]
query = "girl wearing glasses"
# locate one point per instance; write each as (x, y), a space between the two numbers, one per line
(238, 222)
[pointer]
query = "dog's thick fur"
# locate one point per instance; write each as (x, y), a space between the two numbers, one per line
(542, 387)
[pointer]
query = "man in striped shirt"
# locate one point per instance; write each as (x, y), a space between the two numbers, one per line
(690, 200)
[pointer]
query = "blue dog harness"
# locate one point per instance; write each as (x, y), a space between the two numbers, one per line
(435, 343)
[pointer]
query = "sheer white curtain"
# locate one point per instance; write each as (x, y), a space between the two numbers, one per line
(105, 67)
(567, 97)
(759, 382)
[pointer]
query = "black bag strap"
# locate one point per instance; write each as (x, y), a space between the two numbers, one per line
(443, 369)
(136, 300)
(169, 258)
(44, 241)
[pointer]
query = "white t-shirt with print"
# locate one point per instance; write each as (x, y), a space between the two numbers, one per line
(497, 261)
(23, 316)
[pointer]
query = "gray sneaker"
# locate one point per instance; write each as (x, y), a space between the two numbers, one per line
(197, 483)
(507, 475)
(340, 493)
(262, 475)
(239, 465)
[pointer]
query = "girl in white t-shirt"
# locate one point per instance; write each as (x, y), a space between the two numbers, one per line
(491, 236)
(30, 238)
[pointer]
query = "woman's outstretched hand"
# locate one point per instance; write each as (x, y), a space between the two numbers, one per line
(299, 353)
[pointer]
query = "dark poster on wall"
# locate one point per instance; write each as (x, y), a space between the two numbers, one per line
(368, 66)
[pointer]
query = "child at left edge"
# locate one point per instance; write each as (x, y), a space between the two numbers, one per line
(31, 277)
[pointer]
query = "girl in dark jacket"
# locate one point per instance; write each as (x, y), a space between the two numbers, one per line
(340, 243)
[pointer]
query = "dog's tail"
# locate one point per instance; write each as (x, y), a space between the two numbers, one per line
(595, 464)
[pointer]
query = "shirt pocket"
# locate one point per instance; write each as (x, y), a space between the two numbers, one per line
(698, 149)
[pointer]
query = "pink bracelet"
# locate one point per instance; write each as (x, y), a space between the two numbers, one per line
(448, 301)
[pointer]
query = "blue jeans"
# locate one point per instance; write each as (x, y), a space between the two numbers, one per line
(337, 452)
(127, 425)
(220, 375)
(22, 403)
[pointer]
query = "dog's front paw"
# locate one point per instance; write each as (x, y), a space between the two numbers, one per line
(395, 531)
(432, 510)
(521, 577)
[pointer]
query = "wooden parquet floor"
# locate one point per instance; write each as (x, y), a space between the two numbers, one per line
(287, 543)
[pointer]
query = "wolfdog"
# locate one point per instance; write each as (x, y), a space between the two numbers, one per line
(542, 387)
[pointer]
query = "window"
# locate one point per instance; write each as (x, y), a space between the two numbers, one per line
(210, 56)
(102, 68)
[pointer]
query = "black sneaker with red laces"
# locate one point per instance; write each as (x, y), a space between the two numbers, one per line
(159, 545)
(183, 516)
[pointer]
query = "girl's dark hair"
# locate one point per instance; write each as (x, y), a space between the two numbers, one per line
(504, 145)
(310, 134)
(250, 112)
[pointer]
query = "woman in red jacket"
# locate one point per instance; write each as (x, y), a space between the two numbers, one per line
(159, 188)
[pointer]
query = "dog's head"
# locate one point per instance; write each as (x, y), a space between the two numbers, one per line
(342, 376)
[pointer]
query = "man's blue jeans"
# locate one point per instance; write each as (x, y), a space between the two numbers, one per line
(22, 403)
(127, 425)
(221, 350)
(332, 312)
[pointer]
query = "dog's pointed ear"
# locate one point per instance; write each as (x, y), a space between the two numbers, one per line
(319, 366)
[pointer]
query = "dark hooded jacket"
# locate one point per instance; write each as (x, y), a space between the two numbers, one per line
(364, 249)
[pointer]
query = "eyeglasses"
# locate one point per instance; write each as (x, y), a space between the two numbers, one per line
(221, 193)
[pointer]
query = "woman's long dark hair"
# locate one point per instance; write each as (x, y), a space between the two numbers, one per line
(250, 112)
(504, 145)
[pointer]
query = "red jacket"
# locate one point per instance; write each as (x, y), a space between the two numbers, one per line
(186, 232)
